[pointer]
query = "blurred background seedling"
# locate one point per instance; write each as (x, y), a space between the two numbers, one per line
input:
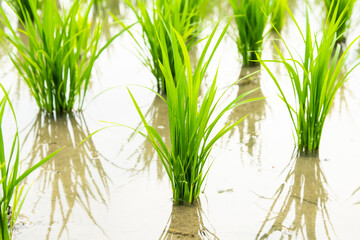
(251, 18)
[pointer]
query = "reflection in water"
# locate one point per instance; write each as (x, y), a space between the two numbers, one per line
(104, 10)
(344, 94)
(157, 116)
(186, 222)
(293, 5)
(252, 72)
(217, 9)
(108, 12)
(354, 193)
(249, 129)
(75, 176)
(115, 7)
(297, 203)
(275, 39)
(107, 5)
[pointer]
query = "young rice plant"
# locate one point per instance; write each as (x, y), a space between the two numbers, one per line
(251, 18)
(21, 6)
(11, 199)
(56, 53)
(315, 81)
(197, 10)
(341, 10)
(278, 11)
(192, 121)
(183, 15)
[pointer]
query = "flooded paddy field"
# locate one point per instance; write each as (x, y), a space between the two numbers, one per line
(113, 185)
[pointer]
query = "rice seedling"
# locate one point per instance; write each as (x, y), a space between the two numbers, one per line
(315, 81)
(341, 10)
(251, 18)
(98, 2)
(198, 10)
(182, 15)
(22, 8)
(191, 120)
(278, 11)
(12, 195)
(58, 53)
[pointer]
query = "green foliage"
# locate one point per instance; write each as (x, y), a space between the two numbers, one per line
(278, 11)
(197, 9)
(183, 15)
(56, 53)
(251, 18)
(192, 121)
(22, 6)
(11, 191)
(315, 81)
(341, 10)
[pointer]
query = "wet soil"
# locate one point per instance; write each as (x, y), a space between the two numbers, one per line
(186, 222)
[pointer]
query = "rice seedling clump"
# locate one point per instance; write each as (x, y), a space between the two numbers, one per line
(56, 51)
(341, 10)
(251, 19)
(183, 15)
(22, 8)
(278, 11)
(315, 80)
(192, 121)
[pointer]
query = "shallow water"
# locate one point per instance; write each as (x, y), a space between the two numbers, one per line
(113, 186)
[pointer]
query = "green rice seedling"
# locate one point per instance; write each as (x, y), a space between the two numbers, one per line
(98, 2)
(22, 8)
(192, 121)
(57, 54)
(12, 194)
(278, 11)
(197, 10)
(341, 10)
(189, 10)
(251, 18)
(182, 15)
(315, 81)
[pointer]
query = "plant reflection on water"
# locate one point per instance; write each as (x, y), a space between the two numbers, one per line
(250, 127)
(146, 154)
(74, 177)
(297, 202)
(186, 222)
